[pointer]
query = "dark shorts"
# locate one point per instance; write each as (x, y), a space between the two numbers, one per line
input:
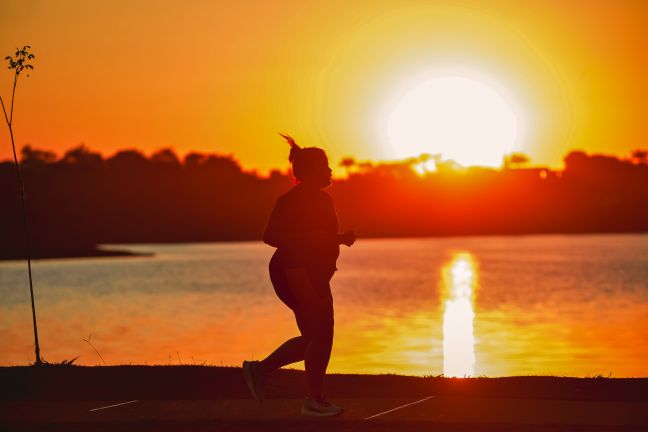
(311, 323)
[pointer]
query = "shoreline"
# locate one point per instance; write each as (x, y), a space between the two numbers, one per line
(218, 382)
(95, 252)
(98, 251)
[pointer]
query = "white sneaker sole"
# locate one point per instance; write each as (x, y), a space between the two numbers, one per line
(310, 413)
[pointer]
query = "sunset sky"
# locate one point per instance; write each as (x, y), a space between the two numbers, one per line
(227, 76)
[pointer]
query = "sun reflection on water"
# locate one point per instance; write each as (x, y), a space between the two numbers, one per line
(459, 279)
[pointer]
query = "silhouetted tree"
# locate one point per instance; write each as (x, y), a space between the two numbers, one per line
(347, 163)
(82, 156)
(20, 62)
(640, 156)
(515, 160)
(128, 161)
(448, 166)
(424, 158)
(131, 197)
(30, 156)
(223, 166)
(193, 160)
(365, 166)
(166, 157)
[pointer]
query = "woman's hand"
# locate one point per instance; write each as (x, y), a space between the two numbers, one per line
(348, 238)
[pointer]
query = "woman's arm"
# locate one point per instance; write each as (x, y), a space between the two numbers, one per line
(280, 230)
(276, 229)
(284, 238)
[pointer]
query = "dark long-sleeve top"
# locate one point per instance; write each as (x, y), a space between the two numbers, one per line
(303, 227)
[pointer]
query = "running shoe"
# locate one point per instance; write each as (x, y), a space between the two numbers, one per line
(254, 379)
(320, 407)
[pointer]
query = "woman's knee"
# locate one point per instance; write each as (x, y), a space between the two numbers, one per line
(324, 328)
(318, 326)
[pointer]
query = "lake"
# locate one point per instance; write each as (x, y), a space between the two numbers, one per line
(573, 305)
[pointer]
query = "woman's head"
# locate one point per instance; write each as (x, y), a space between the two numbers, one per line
(309, 164)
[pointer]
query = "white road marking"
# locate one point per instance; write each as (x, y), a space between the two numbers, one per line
(398, 407)
(115, 405)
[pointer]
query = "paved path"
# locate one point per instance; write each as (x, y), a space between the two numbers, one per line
(196, 398)
(362, 414)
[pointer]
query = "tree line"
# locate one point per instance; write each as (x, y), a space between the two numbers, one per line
(81, 199)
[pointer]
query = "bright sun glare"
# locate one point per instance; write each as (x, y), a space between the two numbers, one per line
(459, 118)
(459, 282)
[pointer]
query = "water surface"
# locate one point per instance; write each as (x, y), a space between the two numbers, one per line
(494, 306)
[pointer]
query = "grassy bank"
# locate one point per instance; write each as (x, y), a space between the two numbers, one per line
(208, 382)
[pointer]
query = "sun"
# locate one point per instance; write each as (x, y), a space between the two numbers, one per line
(459, 118)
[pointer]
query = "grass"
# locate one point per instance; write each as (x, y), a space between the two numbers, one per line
(62, 363)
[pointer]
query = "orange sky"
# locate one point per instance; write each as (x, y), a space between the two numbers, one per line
(226, 76)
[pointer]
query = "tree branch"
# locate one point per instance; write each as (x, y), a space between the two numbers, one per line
(13, 93)
(5, 112)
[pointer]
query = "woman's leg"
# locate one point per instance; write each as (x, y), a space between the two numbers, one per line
(315, 320)
(318, 351)
(291, 351)
(314, 348)
(314, 313)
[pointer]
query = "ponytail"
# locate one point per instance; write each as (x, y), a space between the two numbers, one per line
(294, 148)
(304, 160)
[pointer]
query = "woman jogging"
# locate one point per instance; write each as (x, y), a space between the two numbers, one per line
(303, 227)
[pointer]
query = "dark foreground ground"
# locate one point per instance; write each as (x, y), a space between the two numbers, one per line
(196, 398)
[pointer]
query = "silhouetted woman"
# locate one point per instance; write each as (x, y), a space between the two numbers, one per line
(303, 227)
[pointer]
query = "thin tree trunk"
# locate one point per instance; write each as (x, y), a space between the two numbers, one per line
(21, 185)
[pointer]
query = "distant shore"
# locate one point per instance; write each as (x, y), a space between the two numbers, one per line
(83, 252)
